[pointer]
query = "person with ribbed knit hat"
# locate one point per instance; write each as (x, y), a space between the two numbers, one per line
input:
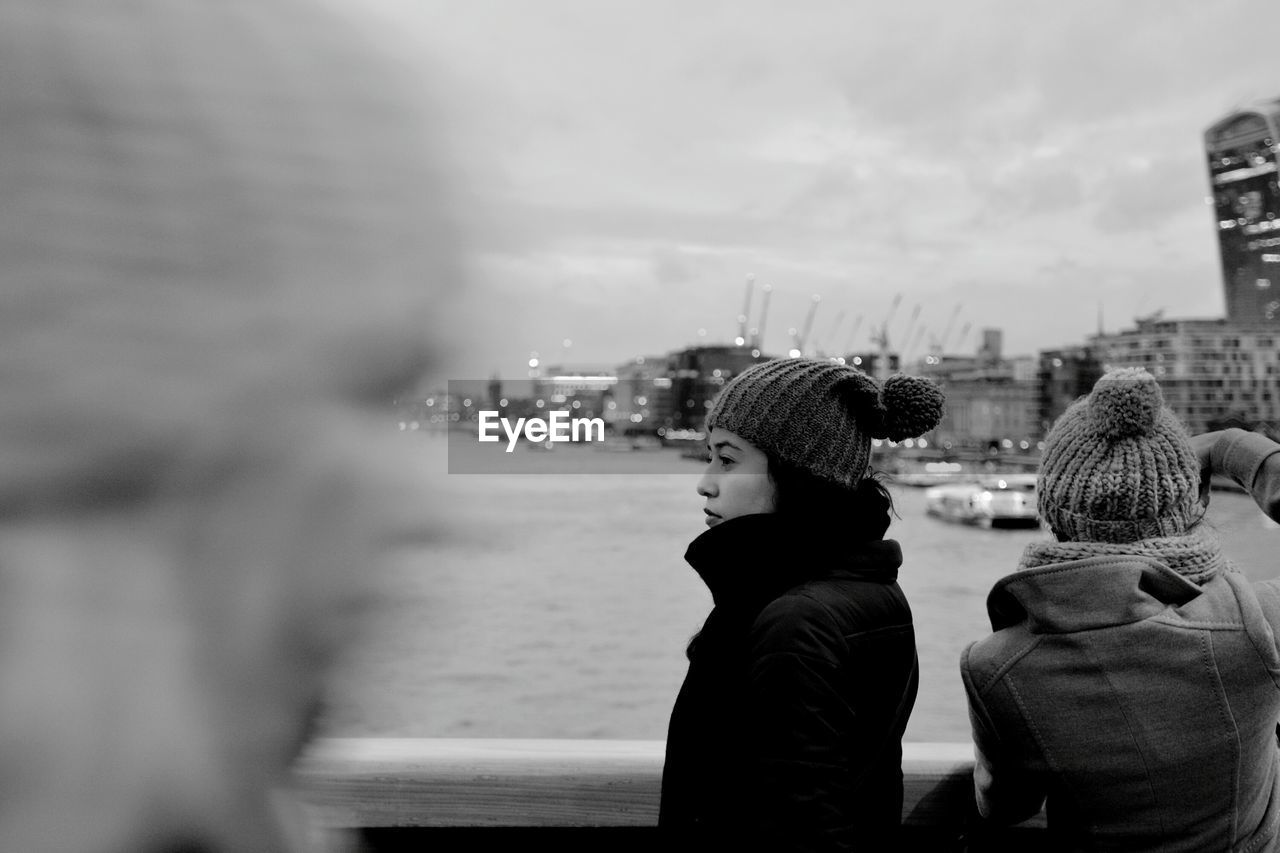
(1130, 686)
(787, 732)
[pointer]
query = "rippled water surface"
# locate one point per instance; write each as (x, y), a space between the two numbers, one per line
(563, 605)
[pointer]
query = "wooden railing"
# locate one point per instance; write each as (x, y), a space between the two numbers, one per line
(402, 793)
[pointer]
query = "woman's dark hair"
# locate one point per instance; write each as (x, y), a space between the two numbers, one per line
(862, 509)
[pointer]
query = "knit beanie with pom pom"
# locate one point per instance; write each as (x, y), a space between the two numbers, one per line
(820, 416)
(1118, 466)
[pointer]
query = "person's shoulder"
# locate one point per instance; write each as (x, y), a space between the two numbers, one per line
(1222, 601)
(801, 619)
(802, 604)
(1241, 596)
(985, 659)
(822, 613)
(839, 600)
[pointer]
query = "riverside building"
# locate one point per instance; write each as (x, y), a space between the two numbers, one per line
(642, 400)
(1065, 375)
(697, 373)
(581, 389)
(1212, 372)
(993, 402)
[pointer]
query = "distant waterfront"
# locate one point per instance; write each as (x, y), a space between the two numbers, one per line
(563, 607)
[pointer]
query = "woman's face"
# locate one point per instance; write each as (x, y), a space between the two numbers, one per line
(737, 480)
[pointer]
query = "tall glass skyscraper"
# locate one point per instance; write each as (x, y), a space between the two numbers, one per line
(1241, 150)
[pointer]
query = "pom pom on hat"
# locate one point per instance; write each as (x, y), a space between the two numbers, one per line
(912, 406)
(1126, 402)
(820, 416)
(1118, 466)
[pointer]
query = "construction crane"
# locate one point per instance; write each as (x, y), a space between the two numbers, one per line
(746, 309)
(906, 333)
(853, 334)
(910, 349)
(946, 333)
(817, 348)
(757, 334)
(881, 338)
(799, 339)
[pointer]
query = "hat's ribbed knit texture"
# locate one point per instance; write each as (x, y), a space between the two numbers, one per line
(1118, 466)
(820, 416)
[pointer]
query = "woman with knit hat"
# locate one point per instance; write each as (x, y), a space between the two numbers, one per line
(787, 732)
(1131, 682)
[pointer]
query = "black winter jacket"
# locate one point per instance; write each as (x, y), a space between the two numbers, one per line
(787, 732)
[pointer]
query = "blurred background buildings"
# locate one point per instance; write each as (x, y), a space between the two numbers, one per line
(1215, 372)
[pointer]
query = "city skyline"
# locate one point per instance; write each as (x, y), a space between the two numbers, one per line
(621, 168)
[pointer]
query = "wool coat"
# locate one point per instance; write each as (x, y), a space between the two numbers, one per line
(787, 732)
(1138, 707)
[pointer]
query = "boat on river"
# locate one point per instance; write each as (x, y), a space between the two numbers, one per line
(997, 500)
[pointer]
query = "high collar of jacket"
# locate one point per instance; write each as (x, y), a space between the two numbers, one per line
(1080, 595)
(755, 558)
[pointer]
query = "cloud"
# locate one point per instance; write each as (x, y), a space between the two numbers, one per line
(1145, 194)
(857, 149)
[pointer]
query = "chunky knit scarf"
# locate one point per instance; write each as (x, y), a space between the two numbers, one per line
(1196, 555)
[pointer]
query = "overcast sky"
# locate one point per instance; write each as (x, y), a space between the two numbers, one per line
(1012, 164)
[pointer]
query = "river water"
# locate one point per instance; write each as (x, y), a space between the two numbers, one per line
(561, 605)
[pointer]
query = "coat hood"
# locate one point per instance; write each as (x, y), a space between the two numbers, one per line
(1084, 594)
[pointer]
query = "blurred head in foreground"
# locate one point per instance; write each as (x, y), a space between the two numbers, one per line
(222, 251)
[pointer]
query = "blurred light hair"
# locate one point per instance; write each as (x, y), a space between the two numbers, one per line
(225, 243)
